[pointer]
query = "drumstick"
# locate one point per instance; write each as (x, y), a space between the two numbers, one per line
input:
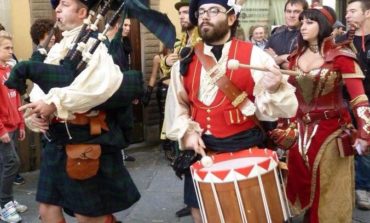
(206, 161)
(234, 64)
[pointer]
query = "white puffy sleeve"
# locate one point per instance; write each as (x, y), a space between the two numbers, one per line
(177, 111)
(280, 104)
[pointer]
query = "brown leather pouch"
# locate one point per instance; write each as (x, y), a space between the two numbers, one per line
(345, 141)
(82, 160)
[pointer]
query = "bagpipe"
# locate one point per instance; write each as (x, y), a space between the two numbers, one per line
(48, 76)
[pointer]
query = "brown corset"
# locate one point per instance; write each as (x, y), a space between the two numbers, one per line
(318, 90)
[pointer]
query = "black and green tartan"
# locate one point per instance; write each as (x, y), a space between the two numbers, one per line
(48, 76)
(132, 87)
(111, 190)
(37, 56)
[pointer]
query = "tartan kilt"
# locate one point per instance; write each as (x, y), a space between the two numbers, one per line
(111, 190)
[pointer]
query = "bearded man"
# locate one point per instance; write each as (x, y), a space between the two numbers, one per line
(199, 111)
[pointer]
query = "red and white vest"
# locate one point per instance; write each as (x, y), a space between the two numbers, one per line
(221, 118)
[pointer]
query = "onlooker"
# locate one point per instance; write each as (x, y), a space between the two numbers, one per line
(358, 14)
(284, 40)
(315, 3)
(13, 61)
(40, 31)
(19, 180)
(126, 43)
(257, 35)
(162, 87)
(338, 29)
(240, 33)
(120, 49)
(11, 127)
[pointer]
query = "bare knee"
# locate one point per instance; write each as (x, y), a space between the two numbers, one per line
(50, 213)
(101, 219)
(195, 213)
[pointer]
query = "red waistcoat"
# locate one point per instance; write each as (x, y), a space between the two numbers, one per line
(221, 118)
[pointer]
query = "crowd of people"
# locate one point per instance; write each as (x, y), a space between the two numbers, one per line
(318, 116)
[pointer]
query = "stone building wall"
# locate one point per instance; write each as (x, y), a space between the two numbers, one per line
(150, 47)
(41, 9)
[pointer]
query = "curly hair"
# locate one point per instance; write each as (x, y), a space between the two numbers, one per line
(39, 28)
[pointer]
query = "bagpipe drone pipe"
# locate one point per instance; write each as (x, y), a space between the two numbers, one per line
(48, 76)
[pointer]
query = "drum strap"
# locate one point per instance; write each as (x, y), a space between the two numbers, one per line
(232, 92)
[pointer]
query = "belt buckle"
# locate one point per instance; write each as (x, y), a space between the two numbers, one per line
(306, 118)
(326, 114)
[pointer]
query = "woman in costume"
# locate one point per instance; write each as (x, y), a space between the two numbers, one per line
(168, 146)
(320, 178)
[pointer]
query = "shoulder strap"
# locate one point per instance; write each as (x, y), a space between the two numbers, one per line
(232, 92)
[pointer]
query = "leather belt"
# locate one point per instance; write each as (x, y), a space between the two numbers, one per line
(97, 122)
(320, 115)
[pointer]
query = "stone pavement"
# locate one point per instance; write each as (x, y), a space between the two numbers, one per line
(161, 190)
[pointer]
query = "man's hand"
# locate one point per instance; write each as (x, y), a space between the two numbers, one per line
(171, 59)
(36, 123)
(193, 140)
(270, 51)
(39, 107)
(362, 147)
(5, 138)
(281, 59)
(22, 134)
(272, 80)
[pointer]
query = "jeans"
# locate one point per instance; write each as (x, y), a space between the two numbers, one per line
(9, 166)
(362, 172)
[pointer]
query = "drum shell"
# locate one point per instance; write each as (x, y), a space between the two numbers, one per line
(241, 186)
(251, 195)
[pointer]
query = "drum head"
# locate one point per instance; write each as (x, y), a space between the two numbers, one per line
(240, 165)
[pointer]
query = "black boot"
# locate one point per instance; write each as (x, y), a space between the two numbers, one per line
(169, 148)
(183, 212)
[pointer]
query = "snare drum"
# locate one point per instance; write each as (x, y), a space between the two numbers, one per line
(241, 187)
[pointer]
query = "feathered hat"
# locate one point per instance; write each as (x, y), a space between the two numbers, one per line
(236, 5)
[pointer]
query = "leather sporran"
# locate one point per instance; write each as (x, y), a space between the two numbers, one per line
(82, 160)
(345, 142)
(181, 165)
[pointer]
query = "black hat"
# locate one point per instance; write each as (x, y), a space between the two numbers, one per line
(88, 3)
(338, 24)
(195, 4)
(182, 3)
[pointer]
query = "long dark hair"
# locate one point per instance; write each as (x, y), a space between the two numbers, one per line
(325, 28)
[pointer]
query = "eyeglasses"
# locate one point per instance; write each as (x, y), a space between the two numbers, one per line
(295, 12)
(211, 12)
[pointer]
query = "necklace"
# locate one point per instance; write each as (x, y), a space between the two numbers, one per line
(314, 48)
